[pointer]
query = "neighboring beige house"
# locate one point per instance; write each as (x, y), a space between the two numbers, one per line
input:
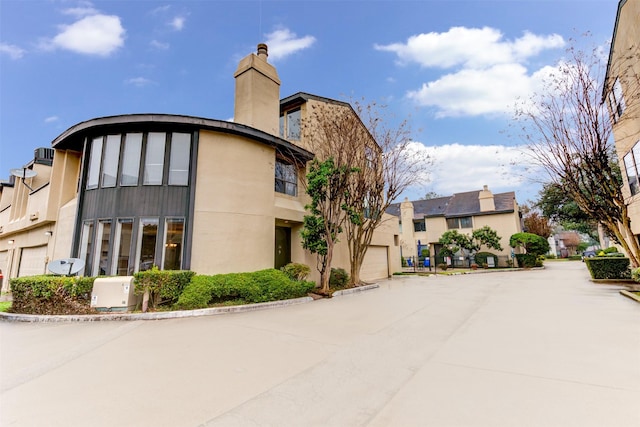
(622, 96)
(424, 221)
(127, 192)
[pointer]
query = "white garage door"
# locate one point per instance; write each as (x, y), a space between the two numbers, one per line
(32, 261)
(376, 264)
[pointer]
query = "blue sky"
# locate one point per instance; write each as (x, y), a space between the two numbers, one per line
(454, 69)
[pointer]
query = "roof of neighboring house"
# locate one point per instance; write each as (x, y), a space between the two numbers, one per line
(460, 204)
(302, 97)
(73, 138)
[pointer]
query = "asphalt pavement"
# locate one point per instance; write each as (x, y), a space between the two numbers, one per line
(522, 348)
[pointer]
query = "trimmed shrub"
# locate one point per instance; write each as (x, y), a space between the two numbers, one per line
(610, 250)
(165, 286)
(608, 267)
(574, 257)
(635, 274)
(532, 243)
(338, 278)
(51, 294)
(528, 260)
(481, 258)
(259, 286)
(296, 271)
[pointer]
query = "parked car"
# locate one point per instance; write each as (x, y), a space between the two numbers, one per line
(588, 254)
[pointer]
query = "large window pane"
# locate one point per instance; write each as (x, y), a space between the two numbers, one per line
(286, 178)
(123, 243)
(93, 175)
(131, 159)
(147, 243)
(154, 158)
(465, 222)
(86, 244)
(453, 223)
(101, 257)
(174, 232)
(110, 161)
(632, 174)
(293, 125)
(179, 159)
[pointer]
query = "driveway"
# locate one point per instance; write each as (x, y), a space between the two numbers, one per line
(529, 348)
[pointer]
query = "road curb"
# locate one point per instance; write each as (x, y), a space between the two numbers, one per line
(630, 295)
(34, 318)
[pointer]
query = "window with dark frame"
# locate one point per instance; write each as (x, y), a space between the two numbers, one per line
(632, 168)
(461, 222)
(286, 178)
(617, 104)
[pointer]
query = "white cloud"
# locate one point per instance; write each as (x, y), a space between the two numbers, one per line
(469, 47)
(51, 119)
(93, 35)
(159, 45)
(138, 81)
(283, 42)
(161, 9)
(457, 168)
(489, 72)
(83, 9)
(178, 22)
(475, 92)
(13, 51)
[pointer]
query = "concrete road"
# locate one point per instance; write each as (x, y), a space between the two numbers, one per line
(531, 348)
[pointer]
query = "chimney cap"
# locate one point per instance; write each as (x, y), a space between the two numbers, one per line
(263, 51)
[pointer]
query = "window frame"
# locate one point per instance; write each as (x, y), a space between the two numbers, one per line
(284, 181)
(633, 181)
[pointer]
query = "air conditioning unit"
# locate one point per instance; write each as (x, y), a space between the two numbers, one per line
(113, 294)
(43, 155)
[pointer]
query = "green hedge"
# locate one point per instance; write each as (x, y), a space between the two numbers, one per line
(165, 286)
(608, 267)
(51, 294)
(528, 260)
(259, 286)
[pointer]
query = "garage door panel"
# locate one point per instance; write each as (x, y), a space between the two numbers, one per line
(32, 261)
(375, 264)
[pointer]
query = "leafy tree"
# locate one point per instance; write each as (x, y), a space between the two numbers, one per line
(327, 187)
(486, 236)
(568, 133)
(453, 241)
(381, 161)
(532, 243)
(556, 205)
(431, 195)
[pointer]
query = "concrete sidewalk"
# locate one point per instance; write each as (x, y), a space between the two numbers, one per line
(528, 348)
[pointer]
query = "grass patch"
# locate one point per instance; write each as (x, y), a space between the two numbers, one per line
(5, 306)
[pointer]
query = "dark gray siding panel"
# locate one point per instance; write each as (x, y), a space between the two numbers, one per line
(136, 202)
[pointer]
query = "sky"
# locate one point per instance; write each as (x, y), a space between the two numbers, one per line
(453, 69)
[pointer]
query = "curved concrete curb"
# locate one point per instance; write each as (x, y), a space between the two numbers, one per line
(355, 290)
(631, 295)
(14, 317)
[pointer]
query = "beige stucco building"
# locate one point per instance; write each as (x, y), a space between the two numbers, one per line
(622, 96)
(126, 192)
(423, 222)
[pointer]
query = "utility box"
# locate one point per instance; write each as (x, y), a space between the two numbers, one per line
(113, 294)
